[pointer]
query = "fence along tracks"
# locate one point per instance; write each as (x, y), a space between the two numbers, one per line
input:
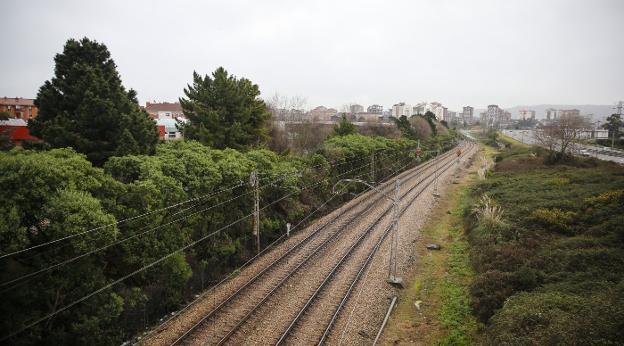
(229, 314)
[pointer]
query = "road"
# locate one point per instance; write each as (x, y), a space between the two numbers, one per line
(599, 152)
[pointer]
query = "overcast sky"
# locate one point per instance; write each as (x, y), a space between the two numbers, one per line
(336, 52)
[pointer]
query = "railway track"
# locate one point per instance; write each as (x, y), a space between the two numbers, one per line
(226, 317)
(340, 282)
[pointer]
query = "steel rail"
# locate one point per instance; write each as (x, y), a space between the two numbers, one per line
(309, 256)
(365, 264)
(297, 246)
(367, 232)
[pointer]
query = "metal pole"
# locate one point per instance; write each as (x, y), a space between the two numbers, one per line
(435, 182)
(397, 194)
(372, 173)
(394, 242)
(253, 179)
(383, 324)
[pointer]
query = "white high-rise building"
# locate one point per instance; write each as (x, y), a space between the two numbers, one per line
(401, 109)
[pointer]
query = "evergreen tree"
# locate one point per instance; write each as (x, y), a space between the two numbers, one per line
(344, 127)
(613, 124)
(431, 119)
(224, 111)
(403, 124)
(86, 107)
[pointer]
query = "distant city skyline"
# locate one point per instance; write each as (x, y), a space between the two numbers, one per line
(509, 53)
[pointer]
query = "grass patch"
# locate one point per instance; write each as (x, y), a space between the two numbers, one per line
(513, 142)
(455, 312)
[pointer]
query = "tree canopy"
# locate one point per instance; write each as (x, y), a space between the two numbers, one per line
(224, 111)
(86, 107)
(614, 122)
(344, 127)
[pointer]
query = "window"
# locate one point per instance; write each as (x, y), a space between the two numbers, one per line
(172, 134)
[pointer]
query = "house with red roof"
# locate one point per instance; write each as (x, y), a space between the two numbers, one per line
(18, 107)
(164, 110)
(17, 130)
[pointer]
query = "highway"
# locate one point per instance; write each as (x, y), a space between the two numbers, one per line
(599, 152)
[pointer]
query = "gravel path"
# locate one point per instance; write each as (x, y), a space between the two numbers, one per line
(309, 266)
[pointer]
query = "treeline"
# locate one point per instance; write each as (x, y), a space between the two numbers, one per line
(547, 245)
(103, 230)
(55, 194)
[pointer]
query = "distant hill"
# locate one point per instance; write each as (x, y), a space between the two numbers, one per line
(598, 111)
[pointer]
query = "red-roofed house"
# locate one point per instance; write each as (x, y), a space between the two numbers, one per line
(164, 110)
(18, 107)
(17, 130)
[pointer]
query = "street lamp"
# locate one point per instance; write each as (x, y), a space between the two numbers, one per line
(396, 201)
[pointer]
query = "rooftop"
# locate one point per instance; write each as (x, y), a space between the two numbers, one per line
(163, 106)
(16, 101)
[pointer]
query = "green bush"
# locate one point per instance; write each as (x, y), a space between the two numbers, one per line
(553, 274)
(553, 318)
(555, 219)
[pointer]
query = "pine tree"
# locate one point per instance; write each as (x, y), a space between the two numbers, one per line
(85, 106)
(224, 111)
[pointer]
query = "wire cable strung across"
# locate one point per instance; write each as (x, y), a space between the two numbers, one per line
(232, 273)
(160, 260)
(196, 325)
(119, 222)
(60, 264)
(73, 259)
(136, 217)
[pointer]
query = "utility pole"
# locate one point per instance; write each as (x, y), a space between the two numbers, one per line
(418, 152)
(255, 184)
(396, 203)
(392, 270)
(372, 167)
(457, 163)
(435, 182)
(619, 107)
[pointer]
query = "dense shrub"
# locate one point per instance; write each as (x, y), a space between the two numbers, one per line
(553, 274)
(553, 318)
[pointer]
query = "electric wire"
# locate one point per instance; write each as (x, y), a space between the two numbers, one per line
(271, 245)
(118, 222)
(212, 194)
(145, 267)
(73, 259)
(232, 273)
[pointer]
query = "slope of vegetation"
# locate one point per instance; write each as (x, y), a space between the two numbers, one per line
(49, 195)
(547, 245)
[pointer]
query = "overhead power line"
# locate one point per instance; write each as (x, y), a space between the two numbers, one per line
(102, 248)
(99, 228)
(145, 267)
